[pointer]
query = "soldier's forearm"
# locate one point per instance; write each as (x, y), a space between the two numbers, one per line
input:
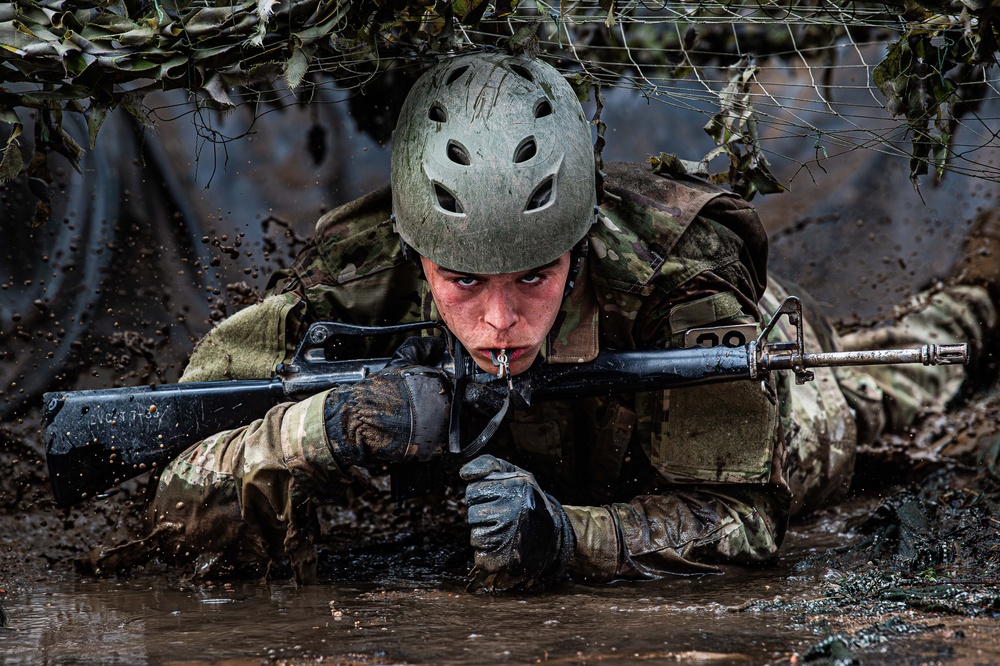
(678, 533)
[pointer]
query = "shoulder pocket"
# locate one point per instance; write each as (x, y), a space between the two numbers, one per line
(721, 433)
(703, 311)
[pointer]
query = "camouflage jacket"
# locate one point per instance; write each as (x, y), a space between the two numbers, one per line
(654, 483)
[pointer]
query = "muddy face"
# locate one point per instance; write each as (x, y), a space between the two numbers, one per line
(512, 312)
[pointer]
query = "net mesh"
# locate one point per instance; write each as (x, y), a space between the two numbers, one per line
(797, 82)
(817, 79)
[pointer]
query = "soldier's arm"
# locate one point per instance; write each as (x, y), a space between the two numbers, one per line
(245, 495)
(720, 495)
(678, 532)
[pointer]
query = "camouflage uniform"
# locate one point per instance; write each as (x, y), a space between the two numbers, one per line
(653, 483)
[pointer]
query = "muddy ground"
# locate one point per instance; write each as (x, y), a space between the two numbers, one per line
(127, 275)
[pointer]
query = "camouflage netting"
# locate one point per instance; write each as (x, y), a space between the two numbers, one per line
(91, 57)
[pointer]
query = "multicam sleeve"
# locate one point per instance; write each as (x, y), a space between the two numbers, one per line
(245, 495)
(682, 532)
(242, 496)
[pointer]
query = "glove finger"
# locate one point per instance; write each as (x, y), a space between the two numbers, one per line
(483, 515)
(488, 539)
(418, 350)
(481, 492)
(480, 467)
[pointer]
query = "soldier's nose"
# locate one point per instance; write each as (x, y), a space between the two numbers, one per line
(500, 311)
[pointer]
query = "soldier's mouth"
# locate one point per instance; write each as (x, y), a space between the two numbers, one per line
(512, 352)
(500, 359)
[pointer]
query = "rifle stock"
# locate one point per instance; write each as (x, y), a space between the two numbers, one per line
(97, 439)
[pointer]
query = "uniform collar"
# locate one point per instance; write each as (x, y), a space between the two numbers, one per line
(575, 336)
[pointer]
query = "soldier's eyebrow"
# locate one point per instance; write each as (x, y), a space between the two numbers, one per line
(453, 273)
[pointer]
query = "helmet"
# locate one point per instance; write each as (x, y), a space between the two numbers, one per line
(492, 165)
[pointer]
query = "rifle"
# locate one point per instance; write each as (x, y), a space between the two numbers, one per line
(96, 439)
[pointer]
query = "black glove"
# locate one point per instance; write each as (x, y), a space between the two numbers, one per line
(521, 536)
(419, 351)
(398, 414)
(484, 400)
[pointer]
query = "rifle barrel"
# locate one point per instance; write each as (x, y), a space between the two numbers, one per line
(947, 354)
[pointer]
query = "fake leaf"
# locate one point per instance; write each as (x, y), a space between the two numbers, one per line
(296, 68)
(12, 162)
(734, 130)
(581, 84)
(609, 7)
(465, 8)
(96, 115)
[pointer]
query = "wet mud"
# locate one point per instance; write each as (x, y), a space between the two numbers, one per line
(134, 267)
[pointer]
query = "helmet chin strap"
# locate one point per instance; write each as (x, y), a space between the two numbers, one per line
(461, 379)
(576, 258)
(405, 249)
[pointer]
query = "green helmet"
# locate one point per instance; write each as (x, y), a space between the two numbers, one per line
(492, 165)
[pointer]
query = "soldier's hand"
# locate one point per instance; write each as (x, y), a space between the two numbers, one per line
(482, 399)
(521, 535)
(419, 351)
(396, 415)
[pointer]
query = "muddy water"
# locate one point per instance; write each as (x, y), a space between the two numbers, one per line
(152, 621)
(396, 621)
(156, 619)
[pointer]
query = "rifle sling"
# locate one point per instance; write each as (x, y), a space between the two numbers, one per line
(454, 431)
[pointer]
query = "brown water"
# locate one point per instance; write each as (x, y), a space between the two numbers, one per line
(152, 621)
(156, 620)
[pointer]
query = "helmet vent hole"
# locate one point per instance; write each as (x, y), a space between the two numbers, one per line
(437, 114)
(541, 196)
(454, 76)
(543, 108)
(458, 154)
(446, 200)
(525, 151)
(522, 72)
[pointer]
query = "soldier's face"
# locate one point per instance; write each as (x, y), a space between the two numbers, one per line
(512, 311)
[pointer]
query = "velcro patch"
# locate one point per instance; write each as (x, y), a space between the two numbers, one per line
(732, 335)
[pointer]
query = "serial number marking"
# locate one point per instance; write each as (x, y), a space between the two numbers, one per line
(113, 416)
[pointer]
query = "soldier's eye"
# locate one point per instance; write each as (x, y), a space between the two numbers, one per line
(466, 281)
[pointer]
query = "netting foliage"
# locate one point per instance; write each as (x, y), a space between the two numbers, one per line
(896, 77)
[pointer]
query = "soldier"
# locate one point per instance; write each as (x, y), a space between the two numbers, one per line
(492, 226)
